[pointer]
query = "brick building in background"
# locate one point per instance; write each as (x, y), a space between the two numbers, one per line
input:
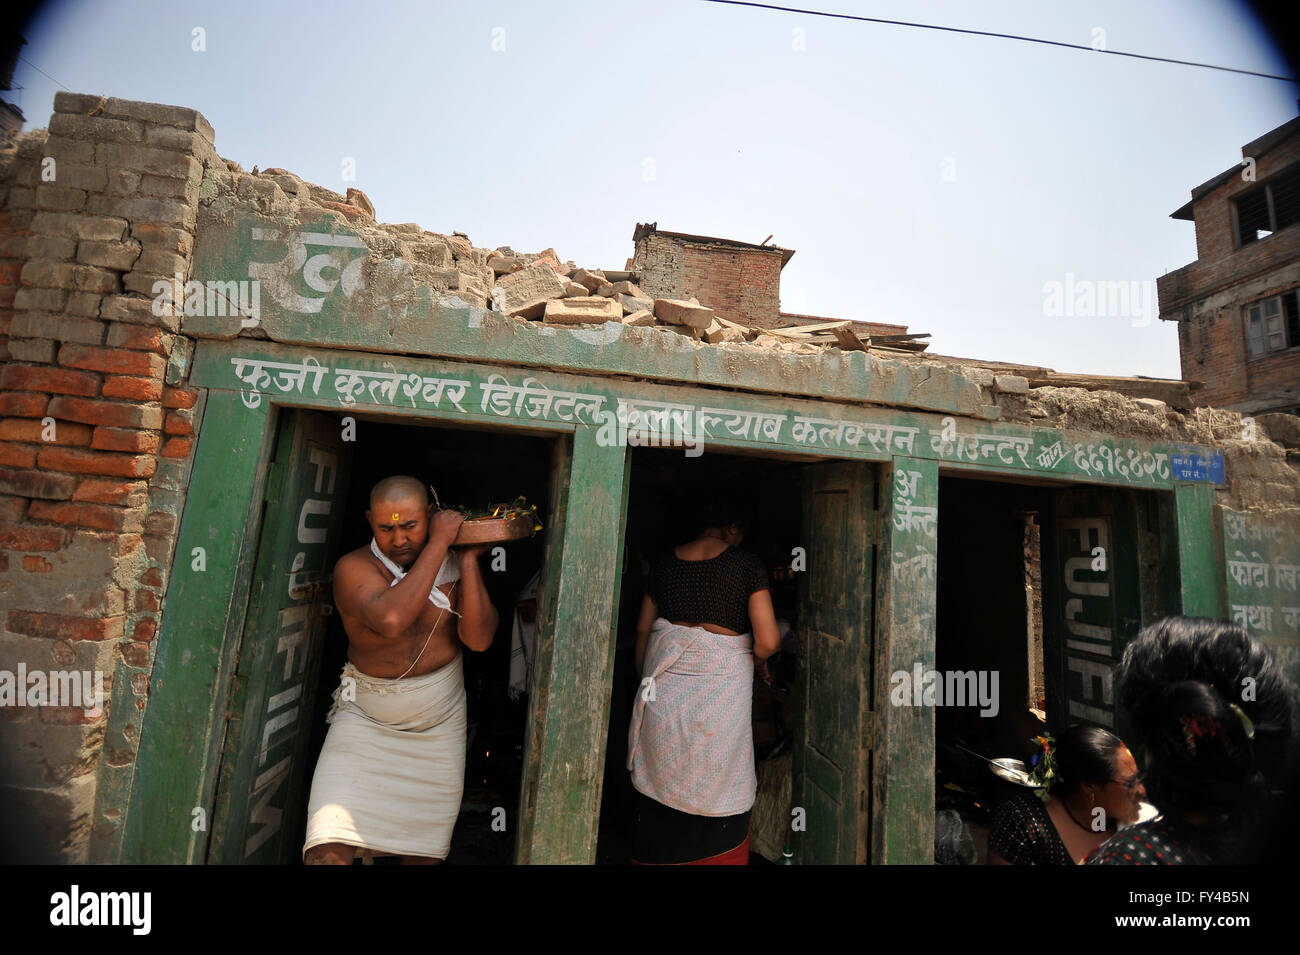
(1236, 306)
(740, 281)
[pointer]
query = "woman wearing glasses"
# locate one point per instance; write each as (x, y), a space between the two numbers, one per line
(1093, 786)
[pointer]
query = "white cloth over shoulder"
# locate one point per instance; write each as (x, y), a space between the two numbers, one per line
(691, 742)
(448, 572)
(391, 774)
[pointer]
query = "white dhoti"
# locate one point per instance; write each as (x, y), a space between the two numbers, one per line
(691, 740)
(392, 771)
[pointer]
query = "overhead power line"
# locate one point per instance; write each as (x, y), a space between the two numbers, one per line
(42, 72)
(1003, 36)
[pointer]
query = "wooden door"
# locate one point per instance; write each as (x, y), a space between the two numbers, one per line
(259, 790)
(1093, 604)
(577, 619)
(832, 756)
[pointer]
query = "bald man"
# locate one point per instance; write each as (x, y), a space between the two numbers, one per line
(392, 771)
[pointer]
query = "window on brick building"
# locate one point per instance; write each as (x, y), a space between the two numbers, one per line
(1272, 324)
(1272, 205)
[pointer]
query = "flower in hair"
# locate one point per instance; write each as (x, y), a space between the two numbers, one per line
(1044, 767)
(1196, 727)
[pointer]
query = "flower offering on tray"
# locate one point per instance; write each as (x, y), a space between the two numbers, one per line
(495, 523)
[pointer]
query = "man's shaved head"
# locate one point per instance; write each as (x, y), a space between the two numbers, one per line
(399, 517)
(399, 487)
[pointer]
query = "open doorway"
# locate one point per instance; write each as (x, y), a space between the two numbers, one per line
(663, 486)
(293, 647)
(1039, 587)
(472, 468)
(988, 624)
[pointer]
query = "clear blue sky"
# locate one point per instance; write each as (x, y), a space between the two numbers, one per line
(564, 123)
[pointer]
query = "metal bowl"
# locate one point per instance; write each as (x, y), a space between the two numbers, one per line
(1013, 771)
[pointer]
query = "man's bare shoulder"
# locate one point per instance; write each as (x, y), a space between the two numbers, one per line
(357, 566)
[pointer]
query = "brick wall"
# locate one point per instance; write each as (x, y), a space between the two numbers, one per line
(1213, 211)
(1212, 347)
(742, 285)
(1208, 296)
(95, 438)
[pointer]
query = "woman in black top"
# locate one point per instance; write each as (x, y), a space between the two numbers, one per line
(1097, 787)
(702, 682)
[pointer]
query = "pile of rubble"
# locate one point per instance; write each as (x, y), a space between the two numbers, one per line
(529, 287)
(561, 294)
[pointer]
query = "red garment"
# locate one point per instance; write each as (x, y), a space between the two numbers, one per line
(736, 856)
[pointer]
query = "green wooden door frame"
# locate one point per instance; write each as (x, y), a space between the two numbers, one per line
(183, 728)
(564, 760)
(258, 802)
(1094, 609)
(1199, 568)
(902, 769)
(184, 720)
(834, 729)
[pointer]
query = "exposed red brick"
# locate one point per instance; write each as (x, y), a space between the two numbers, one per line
(12, 508)
(104, 517)
(177, 424)
(160, 522)
(112, 360)
(136, 654)
(138, 338)
(141, 389)
(56, 487)
(152, 577)
(61, 627)
(66, 433)
(114, 414)
(1209, 302)
(125, 439)
(92, 462)
(177, 448)
(108, 492)
(19, 537)
(17, 455)
(179, 398)
(144, 629)
(97, 516)
(36, 564)
(24, 404)
(58, 512)
(59, 381)
(147, 601)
